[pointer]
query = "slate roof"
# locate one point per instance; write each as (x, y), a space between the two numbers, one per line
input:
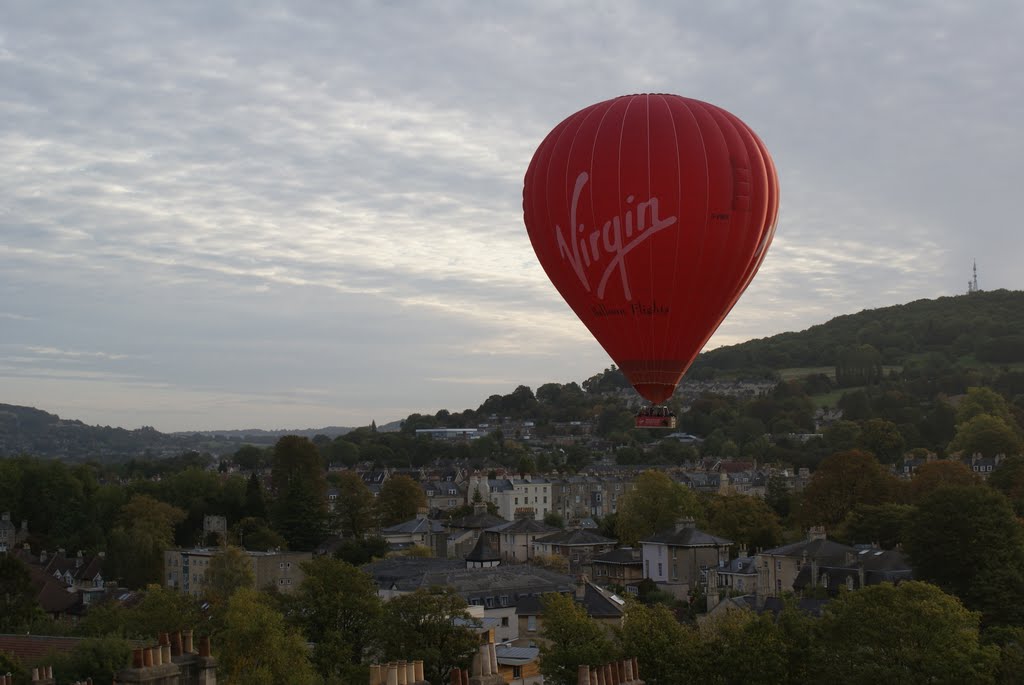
(407, 574)
(477, 521)
(516, 656)
(622, 555)
(417, 525)
(687, 537)
(574, 537)
(819, 549)
(741, 565)
(523, 527)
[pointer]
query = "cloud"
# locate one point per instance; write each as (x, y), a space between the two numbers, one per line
(240, 199)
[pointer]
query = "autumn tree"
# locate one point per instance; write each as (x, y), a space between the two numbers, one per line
(1008, 478)
(841, 482)
(257, 646)
(741, 647)
(656, 503)
(400, 499)
(883, 439)
(432, 625)
(354, 508)
(573, 638)
(933, 475)
(907, 633)
(881, 524)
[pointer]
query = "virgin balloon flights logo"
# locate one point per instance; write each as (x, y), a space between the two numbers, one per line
(607, 245)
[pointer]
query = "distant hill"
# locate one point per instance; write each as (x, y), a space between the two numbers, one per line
(973, 331)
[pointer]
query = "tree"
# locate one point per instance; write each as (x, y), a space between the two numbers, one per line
(400, 499)
(228, 571)
(1008, 478)
(666, 649)
(256, 534)
(884, 524)
(353, 510)
(907, 633)
(981, 401)
(144, 531)
(162, 610)
(778, 496)
(573, 639)
(933, 475)
(883, 439)
(431, 625)
(967, 540)
(248, 457)
(740, 647)
(97, 658)
(255, 501)
(986, 435)
(338, 610)
(257, 646)
(300, 511)
(841, 482)
(744, 519)
(18, 605)
(654, 504)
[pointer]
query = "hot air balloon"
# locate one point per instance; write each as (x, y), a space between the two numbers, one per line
(651, 214)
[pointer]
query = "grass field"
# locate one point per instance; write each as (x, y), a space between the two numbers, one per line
(830, 371)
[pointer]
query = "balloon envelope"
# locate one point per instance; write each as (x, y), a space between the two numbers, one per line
(651, 214)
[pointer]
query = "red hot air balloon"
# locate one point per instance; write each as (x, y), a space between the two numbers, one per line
(651, 214)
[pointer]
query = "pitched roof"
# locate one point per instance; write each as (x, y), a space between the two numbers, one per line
(622, 555)
(482, 551)
(687, 536)
(576, 536)
(523, 526)
(407, 574)
(819, 548)
(417, 525)
(477, 520)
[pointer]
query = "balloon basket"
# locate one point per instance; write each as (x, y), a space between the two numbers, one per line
(649, 421)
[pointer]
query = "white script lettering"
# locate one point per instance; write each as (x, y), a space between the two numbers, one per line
(614, 240)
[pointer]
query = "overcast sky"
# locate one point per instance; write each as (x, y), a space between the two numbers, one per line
(296, 214)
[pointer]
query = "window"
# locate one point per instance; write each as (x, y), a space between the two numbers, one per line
(489, 602)
(517, 672)
(660, 570)
(504, 621)
(504, 603)
(778, 565)
(531, 623)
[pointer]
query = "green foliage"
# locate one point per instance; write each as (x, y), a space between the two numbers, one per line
(422, 625)
(663, 646)
(841, 482)
(986, 435)
(399, 500)
(573, 639)
(909, 633)
(881, 524)
(136, 546)
(354, 508)
(18, 607)
(741, 647)
(300, 511)
(337, 609)
(744, 519)
(229, 570)
(362, 551)
(656, 503)
(968, 541)
(97, 658)
(257, 646)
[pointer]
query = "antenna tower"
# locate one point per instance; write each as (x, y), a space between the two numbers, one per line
(972, 285)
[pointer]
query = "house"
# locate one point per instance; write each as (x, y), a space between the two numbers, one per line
(738, 576)
(867, 566)
(64, 586)
(622, 567)
(601, 605)
(577, 546)
(514, 540)
(515, 498)
(443, 495)
(777, 568)
(464, 531)
(420, 531)
(185, 569)
(11, 536)
(495, 588)
(678, 559)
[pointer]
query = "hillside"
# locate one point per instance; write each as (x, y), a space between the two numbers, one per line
(980, 328)
(924, 340)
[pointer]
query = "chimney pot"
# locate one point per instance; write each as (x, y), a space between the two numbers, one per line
(418, 667)
(583, 675)
(410, 673)
(176, 644)
(204, 645)
(392, 673)
(187, 637)
(375, 674)
(147, 657)
(165, 654)
(402, 674)
(137, 661)
(35, 675)
(158, 655)
(455, 676)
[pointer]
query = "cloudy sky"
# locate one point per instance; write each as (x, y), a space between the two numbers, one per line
(295, 214)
